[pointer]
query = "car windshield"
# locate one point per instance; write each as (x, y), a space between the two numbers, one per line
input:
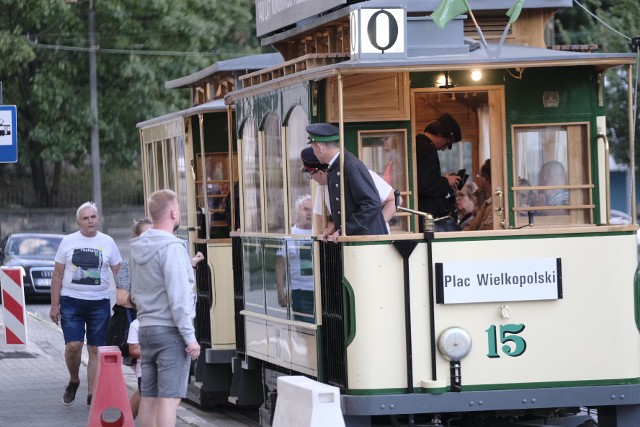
(34, 246)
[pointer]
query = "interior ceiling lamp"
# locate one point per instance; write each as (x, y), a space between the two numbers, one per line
(476, 75)
(443, 81)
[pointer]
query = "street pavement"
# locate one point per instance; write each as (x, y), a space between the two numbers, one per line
(32, 382)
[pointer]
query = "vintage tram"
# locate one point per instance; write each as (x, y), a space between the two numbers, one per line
(518, 325)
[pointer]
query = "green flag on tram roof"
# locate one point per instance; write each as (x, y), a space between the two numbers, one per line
(514, 11)
(448, 10)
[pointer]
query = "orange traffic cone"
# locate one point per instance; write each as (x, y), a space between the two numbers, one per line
(110, 392)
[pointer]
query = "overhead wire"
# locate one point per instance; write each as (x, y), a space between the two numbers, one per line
(601, 21)
(128, 51)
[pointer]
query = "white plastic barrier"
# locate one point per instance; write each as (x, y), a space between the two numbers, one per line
(303, 402)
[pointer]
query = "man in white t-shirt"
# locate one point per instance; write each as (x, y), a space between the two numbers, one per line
(81, 294)
(317, 171)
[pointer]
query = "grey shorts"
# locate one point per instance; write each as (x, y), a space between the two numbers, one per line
(165, 362)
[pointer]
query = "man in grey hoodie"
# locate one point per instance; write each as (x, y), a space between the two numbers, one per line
(162, 283)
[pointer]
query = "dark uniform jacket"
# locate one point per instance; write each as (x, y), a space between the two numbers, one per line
(362, 201)
(434, 192)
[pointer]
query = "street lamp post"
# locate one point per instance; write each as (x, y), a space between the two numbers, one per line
(93, 92)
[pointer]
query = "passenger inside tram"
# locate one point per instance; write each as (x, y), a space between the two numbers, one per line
(436, 193)
(552, 174)
(484, 218)
(466, 204)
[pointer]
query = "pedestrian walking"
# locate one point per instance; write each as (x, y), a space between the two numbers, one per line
(80, 295)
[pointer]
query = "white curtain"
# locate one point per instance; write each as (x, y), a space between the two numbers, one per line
(484, 138)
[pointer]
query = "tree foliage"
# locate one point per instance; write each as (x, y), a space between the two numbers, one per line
(45, 72)
(576, 26)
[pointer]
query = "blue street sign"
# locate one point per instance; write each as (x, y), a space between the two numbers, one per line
(8, 134)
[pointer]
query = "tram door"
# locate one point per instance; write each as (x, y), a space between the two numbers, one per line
(480, 113)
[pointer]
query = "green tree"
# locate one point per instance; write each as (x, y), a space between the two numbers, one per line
(575, 26)
(44, 51)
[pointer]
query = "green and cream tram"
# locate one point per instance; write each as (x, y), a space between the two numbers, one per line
(525, 323)
(193, 153)
(538, 314)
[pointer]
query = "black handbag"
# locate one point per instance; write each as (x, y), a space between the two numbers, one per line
(118, 331)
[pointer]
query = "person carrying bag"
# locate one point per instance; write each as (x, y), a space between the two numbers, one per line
(118, 331)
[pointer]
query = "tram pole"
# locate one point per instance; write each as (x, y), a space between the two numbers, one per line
(93, 93)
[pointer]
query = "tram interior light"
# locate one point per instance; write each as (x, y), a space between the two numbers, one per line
(476, 75)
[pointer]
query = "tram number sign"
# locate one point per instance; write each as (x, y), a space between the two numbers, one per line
(378, 33)
(498, 280)
(509, 336)
(8, 134)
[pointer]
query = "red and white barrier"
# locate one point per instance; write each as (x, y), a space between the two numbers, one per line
(14, 308)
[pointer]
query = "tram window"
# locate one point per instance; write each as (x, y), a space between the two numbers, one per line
(296, 141)
(384, 152)
(458, 157)
(552, 174)
(159, 161)
(273, 249)
(253, 275)
(151, 168)
(251, 177)
(274, 174)
(294, 280)
(218, 184)
(172, 181)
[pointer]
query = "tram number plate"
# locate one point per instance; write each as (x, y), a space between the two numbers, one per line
(498, 280)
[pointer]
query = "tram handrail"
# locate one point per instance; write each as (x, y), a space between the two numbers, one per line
(427, 219)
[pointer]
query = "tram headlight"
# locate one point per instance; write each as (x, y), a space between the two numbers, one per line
(454, 343)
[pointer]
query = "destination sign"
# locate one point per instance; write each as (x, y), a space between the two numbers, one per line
(498, 280)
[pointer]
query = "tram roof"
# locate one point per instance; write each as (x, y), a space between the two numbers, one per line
(411, 6)
(214, 106)
(251, 62)
(511, 56)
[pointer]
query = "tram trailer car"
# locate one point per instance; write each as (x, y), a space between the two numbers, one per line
(192, 152)
(521, 324)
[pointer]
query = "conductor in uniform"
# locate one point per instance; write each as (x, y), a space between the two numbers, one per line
(363, 215)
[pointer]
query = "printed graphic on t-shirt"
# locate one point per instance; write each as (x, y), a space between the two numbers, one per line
(87, 264)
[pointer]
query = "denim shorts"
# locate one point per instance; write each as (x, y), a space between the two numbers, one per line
(165, 362)
(77, 313)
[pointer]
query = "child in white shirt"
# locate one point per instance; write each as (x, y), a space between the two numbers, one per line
(134, 351)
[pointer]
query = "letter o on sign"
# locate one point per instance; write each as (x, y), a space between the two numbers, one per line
(372, 30)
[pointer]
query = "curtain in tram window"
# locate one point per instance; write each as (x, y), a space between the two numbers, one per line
(274, 173)
(535, 147)
(483, 133)
(251, 165)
